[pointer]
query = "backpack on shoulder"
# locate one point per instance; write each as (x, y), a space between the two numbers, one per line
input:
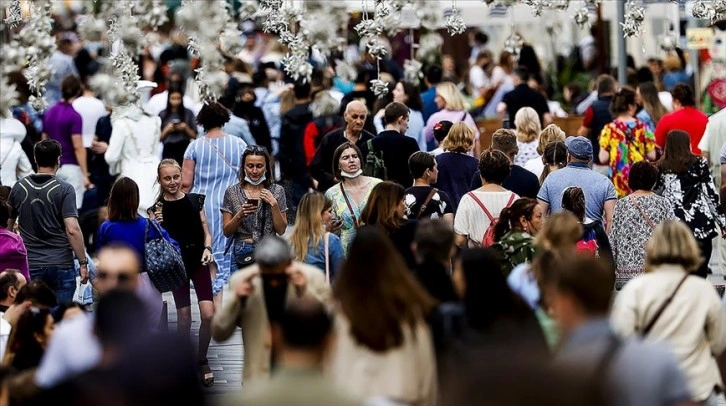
(375, 166)
(488, 239)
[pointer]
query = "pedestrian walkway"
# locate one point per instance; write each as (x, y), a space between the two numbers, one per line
(225, 359)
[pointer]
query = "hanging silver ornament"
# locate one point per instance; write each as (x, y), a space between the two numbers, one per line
(513, 44)
(379, 87)
(454, 22)
(700, 9)
(412, 71)
(248, 9)
(668, 41)
(15, 14)
(561, 5)
(634, 17)
(8, 98)
(719, 9)
(582, 17)
(537, 6)
(377, 47)
(345, 71)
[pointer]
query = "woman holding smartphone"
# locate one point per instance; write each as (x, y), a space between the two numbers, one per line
(177, 126)
(182, 216)
(254, 207)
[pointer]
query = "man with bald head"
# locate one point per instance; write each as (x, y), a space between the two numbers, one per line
(74, 348)
(322, 165)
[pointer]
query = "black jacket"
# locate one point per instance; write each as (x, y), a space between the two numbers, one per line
(258, 124)
(321, 168)
(520, 181)
(396, 148)
(292, 153)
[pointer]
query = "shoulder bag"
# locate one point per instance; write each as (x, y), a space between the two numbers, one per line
(662, 308)
(650, 222)
(164, 262)
(350, 207)
(426, 202)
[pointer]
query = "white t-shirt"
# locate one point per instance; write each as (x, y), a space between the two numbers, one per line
(91, 109)
(535, 165)
(5, 328)
(478, 78)
(470, 219)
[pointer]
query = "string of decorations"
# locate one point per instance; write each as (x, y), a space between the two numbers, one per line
(38, 44)
(15, 14)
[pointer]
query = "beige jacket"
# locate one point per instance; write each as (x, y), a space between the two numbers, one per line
(693, 325)
(406, 375)
(252, 317)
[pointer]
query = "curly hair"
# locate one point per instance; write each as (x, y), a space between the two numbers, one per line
(212, 115)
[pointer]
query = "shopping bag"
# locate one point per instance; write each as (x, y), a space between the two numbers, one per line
(83, 294)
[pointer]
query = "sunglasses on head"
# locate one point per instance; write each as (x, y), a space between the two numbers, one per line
(256, 149)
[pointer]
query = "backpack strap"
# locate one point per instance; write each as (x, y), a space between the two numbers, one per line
(486, 211)
(510, 201)
(369, 145)
(426, 202)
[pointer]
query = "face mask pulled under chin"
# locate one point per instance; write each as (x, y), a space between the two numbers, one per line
(257, 182)
(351, 175)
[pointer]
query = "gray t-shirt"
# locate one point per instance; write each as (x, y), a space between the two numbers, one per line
(41, 203)
(597, 188)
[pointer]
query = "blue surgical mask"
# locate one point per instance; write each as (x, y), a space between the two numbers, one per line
(255, 183)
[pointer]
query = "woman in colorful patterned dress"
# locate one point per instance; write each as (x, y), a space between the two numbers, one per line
(350, 196)
(625, 141)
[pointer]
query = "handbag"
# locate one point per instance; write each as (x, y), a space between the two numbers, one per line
(83, 295)
(642, 213)
(164, 262)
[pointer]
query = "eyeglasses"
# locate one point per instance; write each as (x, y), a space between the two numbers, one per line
(256, 149)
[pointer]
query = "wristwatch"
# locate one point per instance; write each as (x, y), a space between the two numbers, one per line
(209, 248)
(83, 262)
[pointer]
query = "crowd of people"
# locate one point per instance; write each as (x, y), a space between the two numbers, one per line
(370, 249)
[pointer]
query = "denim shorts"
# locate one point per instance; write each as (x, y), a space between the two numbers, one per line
(62, 280)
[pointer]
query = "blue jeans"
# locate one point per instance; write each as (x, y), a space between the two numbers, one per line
(60, 279)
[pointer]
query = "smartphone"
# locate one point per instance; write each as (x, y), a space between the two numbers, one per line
(253, 202)
(336, 223)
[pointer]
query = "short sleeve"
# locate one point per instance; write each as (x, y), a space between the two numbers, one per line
(191, 152)
(446, 200)
(610, 191)
(77, 124)
(648, 138)
(587, 119)
(542, 194)
(462, 224)
(227, 201)
(279, 193)
(68, 202)
(605, 136)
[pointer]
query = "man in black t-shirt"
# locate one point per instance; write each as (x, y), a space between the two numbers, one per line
(520, 181)
(438, 205)
(524, 96)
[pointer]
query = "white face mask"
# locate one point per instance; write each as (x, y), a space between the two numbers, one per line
(351, 175)
(255, 183)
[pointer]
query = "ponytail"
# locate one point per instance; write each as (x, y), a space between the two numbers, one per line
(503, 225)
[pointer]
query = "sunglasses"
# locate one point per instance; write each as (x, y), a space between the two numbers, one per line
(121, 278)
(256, 149)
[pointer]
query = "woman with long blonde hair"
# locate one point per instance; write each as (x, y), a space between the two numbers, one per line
(647, 96)
(549, 134)
(452, 107)
(528, 128)
(311, 240)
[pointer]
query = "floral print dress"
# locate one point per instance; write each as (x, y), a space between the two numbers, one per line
(626, 142)
(631, 230)
(695, 199)
(341, 210)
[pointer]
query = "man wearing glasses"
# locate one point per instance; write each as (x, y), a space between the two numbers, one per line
(322, 164)
(73, 347)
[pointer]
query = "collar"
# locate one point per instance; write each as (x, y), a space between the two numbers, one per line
(589, 331)
(580, 165)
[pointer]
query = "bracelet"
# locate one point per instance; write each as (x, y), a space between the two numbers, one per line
(209, 249)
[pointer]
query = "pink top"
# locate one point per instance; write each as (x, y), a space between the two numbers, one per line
(454, 117)
(13, 254)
